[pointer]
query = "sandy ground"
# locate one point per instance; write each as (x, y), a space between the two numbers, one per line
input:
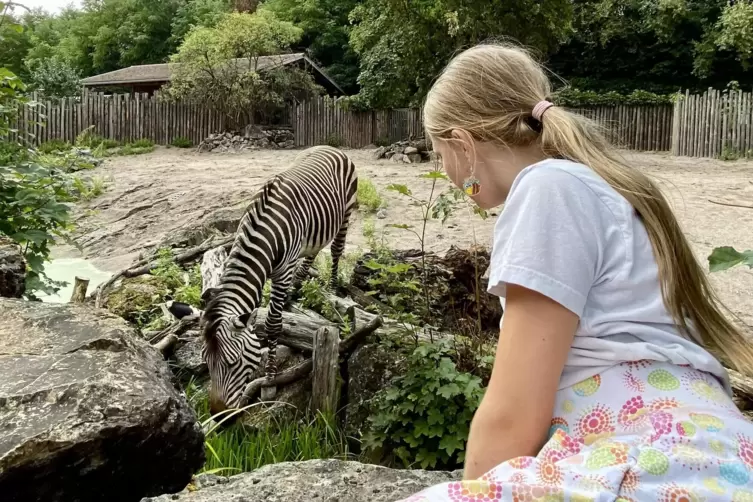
(151, 196)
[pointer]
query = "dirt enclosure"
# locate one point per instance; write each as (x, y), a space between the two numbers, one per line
(151, 196)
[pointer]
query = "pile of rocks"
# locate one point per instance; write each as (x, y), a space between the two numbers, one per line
(252, 138)
(411, 151)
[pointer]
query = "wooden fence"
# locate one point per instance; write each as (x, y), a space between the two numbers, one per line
(705, 125)
(319, 120)
(122, 117)
(713, 124)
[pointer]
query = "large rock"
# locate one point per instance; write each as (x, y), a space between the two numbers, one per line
(314, 480)
(135, 299)
(88, 412)
(12, 269)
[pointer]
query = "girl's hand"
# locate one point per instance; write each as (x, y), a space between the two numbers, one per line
(514, 416)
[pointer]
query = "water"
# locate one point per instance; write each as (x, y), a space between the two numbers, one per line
(66, 269)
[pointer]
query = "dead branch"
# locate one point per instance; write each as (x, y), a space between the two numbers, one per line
(176, 329)
(288, 376)
(166, 345)
(731, 204)
(145, 266)
(351, 343)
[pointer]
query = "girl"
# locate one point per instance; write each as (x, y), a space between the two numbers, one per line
(603, 385)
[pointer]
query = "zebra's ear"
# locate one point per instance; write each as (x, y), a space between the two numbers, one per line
(242, 322)
(209, 294)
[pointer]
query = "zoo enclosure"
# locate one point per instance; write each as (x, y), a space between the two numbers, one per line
(706, 125)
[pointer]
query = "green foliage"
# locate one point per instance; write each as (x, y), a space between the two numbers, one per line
(334, 140)
(725, 257)
(54, 145)
(404, 45)
(219, 67)
(53, 78)
(424, 417)
(368, 197)
(182, 142)
(312, 297)
(239, 448)
(89, 188)
(383, 141)
(184, 286)
(578, 98)
(142, 143)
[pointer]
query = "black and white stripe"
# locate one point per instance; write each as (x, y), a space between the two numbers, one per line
(292, 217)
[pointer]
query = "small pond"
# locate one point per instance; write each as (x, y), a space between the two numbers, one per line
(66, 269)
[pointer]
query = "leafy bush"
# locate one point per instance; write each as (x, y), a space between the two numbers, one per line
(575, 98)
(142, 143)
(240, 449)
(383, 141)
(54, 145)
(89, 188)
(134, 149)
(424, 417)
(335, 140)
(368, 198)
(182, 142)
(185, 285)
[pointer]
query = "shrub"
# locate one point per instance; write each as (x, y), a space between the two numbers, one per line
(424, 417)
(133, 149)
(383, 141)
(368, 198)
(182, 142)
(335, 140)
(54, 145)
(142, 143)
(89, 188)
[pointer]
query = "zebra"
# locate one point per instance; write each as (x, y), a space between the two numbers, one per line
(290, 219)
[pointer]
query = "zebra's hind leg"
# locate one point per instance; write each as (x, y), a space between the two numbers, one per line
(337, 248)
(273, 325)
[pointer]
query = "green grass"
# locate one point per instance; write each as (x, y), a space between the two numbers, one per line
(240, 449)
(142, 143)
(368, 197)
(89, 188)
(136, 148)
(182, 142)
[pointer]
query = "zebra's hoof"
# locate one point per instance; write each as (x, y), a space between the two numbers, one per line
(268, 393)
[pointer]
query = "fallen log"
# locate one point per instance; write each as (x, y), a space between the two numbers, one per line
(303, 369)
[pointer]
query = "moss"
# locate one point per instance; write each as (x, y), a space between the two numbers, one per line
(135, 300)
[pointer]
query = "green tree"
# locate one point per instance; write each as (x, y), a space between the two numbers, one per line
(196, 13)
(15, 39)
(404, 45)
(326, 31)
(54, 78)
(221, 67)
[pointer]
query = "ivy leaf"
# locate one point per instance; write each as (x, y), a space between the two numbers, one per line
(451, 443)
(449, 390)
(725, 257)
(435, 416)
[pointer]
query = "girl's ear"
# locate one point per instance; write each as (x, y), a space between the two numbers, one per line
(465, 141)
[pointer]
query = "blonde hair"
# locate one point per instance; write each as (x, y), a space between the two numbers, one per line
(490, 91)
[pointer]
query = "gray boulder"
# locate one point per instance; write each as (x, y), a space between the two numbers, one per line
(314, 480)
(88, 411)
(12, 269)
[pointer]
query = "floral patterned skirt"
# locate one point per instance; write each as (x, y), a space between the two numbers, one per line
(638, 431)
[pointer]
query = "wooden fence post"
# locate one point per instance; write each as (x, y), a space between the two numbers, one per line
(324, 391)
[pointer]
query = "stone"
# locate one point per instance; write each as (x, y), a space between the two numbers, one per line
(409, 150)
(397, 157)
(313, 480)
(381, 214)
(224, 219)
(134, 298)
(379, 152)
(189, 365)
(12, 269)
(415, 158)
(371, 368)
(89, 411)
(406, 159)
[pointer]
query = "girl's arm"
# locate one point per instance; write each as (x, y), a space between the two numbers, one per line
(514, 416)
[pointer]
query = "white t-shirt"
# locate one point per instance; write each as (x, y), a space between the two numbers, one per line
(565, 233)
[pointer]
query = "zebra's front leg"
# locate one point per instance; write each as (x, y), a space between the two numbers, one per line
(337, 248)
(273, 325)
(301, 274)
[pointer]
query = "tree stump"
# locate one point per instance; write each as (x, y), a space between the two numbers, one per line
(324, 391)
(212, 265)
(80, 286)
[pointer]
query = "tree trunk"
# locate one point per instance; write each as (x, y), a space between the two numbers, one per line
(324, 393)
(212, 265)
(79, 290)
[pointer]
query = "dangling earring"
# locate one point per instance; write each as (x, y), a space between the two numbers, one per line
(472, 185)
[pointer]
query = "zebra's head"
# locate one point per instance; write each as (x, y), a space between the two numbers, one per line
(231, 353)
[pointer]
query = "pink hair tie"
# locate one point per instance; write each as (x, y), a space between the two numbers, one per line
(540, 108)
